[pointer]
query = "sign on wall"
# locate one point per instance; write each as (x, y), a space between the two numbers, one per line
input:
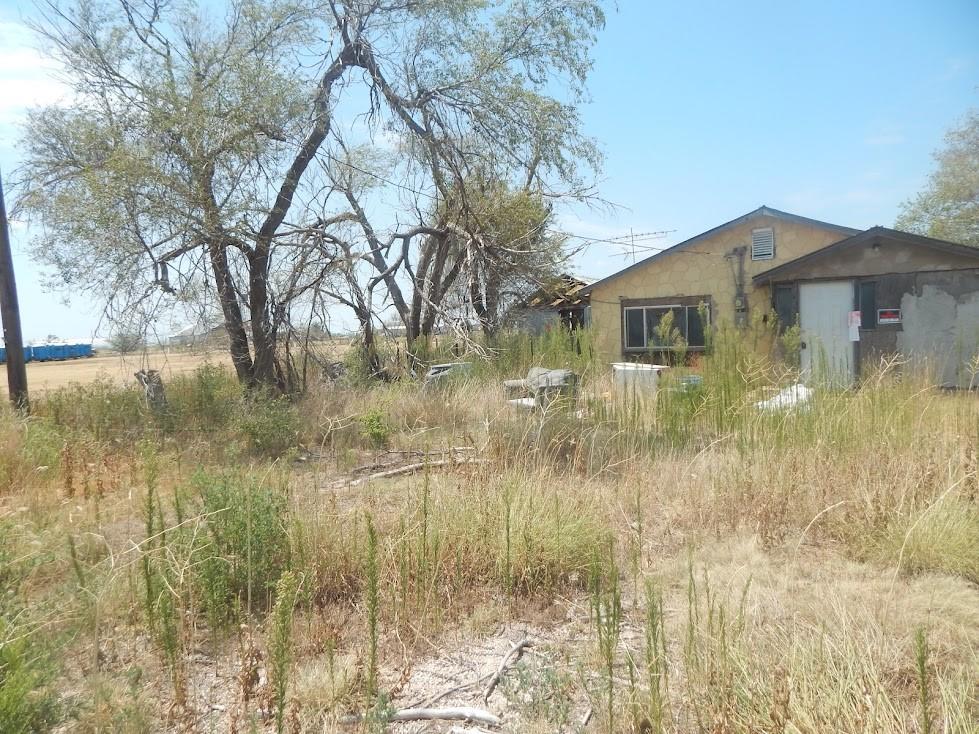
(888, 316)
(853, 324)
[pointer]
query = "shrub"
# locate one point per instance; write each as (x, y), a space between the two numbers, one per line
(375, 428)
(206, 400)
(249, 547)
(27, 704)
(101, 409)
(269, 424)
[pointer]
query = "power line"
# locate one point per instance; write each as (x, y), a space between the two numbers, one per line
(625, 240)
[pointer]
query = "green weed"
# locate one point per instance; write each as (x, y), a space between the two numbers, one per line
(286, 594)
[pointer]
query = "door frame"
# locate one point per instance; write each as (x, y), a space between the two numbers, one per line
(852, 346)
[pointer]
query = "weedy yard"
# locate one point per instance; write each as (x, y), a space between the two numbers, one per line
(693, 564)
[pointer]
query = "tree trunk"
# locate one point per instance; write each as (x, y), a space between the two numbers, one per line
(479, 298)
(431, 283)
(373, 359)
(264, 372)
(233, 321)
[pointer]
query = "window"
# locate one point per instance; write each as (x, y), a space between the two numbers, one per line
(762, 244)
(868, 304)
(635, 328)
(646, 326)
(785, 303)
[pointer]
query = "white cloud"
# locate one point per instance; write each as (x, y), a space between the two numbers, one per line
(26, 78)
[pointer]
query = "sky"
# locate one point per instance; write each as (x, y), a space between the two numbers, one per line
(704, 111)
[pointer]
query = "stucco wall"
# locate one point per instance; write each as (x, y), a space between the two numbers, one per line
(700, 269)
(940, 325)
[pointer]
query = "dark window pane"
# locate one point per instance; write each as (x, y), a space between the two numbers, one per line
(663, 324)
(695, 327)
(868, 305)
(634, 329)
(785, 306)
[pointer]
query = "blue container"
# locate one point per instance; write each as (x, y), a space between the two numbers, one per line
(28, 354)
(84, 350)
(42, 353)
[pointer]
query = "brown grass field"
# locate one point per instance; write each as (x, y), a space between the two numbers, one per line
(688, 564)
(117, 368)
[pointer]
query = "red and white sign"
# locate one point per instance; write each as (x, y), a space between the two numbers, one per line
(888, 316)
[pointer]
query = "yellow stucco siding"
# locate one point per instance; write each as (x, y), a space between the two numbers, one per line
(700, 269)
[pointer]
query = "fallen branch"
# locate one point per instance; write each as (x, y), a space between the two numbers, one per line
(404, 454)
(513, 653)
(461, 713)
(432, 700)
(409, 469)
(456, 713)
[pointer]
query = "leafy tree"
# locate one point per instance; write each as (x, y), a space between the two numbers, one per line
(126, 342)
(279, 157)
(948, 208)
(511, 252)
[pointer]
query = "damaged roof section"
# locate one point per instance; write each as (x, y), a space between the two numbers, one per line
(565, 291)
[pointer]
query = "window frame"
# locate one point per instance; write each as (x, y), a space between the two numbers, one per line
(752, 247)
(792, 289)
(664, 304)
(864, 323)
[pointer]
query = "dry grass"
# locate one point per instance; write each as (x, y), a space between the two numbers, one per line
(795, 557)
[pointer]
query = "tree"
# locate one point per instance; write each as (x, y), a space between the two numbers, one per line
(512, 251)
(948, 208)
(288, 155)
(126, 342)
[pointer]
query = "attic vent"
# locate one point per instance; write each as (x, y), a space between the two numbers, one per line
(762, 244)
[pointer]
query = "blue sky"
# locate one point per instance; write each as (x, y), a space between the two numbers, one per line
(705, 110)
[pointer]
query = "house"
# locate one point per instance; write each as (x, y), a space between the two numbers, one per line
(857, 295)
(562, 302)
(184, 337)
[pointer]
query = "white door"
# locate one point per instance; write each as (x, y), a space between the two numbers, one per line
(827, 352)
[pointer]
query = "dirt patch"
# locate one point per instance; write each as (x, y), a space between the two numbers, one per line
(534, 692)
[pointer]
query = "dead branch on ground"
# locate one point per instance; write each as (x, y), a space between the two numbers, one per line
(513, 655)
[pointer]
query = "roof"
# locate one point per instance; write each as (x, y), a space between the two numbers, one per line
(762, 211)
(566, 291)
(869, 235)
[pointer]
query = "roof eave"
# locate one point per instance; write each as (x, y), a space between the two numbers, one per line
(955, 248)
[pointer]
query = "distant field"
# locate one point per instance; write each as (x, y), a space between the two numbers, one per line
(45, 376)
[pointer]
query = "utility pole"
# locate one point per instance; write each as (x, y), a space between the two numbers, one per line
(10, 314)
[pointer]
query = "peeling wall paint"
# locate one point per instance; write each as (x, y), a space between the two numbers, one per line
(941, 329)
